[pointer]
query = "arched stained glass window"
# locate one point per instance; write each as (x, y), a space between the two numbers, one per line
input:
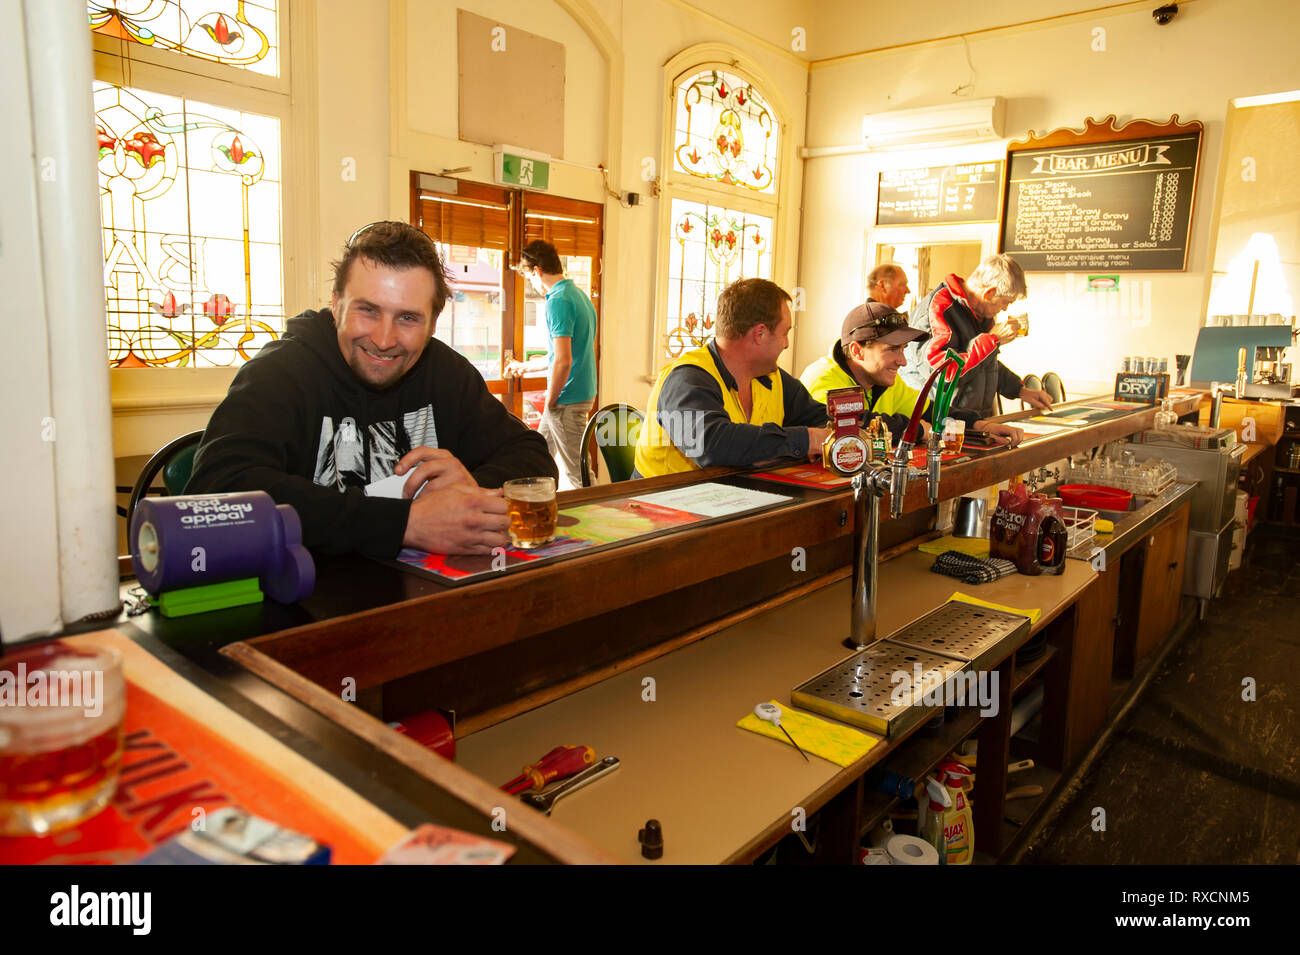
(190, 202)
(725, 132)
(721, 193)
(192, 100)
(232, 32)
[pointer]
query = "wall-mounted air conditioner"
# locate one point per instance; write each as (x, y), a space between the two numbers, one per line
(951, 124)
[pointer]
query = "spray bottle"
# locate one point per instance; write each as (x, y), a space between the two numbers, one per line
(931, 823)
(958, 824)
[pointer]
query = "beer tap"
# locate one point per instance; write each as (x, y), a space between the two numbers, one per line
(872, 479)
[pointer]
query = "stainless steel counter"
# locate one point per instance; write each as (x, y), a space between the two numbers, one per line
(1130, 528)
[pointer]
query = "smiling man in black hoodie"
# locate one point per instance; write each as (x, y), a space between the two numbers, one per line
(360, 392)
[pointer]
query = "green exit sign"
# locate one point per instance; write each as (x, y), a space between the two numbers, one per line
(528, 172)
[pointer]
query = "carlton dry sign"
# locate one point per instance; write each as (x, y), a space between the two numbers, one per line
(1141, 389)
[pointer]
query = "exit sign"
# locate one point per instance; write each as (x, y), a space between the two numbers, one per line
(523, 169)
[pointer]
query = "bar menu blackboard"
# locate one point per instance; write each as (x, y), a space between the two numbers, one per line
(969, 192)
(1107, 206)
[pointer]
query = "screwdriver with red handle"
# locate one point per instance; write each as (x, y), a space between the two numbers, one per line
(560, 763)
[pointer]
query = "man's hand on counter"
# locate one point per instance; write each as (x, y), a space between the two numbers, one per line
(1009, 433)
(437, 466)
(457, 519)
(1039, 399)
(816, 438)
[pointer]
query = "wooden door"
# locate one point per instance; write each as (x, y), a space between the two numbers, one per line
(473, 228)
(1162, 583)
(495, 316)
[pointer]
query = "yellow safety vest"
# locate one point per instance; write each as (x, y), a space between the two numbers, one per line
(825, 373)
(655, 452)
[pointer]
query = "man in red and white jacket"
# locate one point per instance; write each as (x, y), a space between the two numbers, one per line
(961, 314)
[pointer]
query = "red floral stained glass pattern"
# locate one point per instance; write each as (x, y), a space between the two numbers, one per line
(239, 33)
(725, 132)
(710, 248)
(190, 200)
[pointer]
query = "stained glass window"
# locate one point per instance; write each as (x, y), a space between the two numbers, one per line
(725, 132)
(710, 247)
(190, 210)
(234, 32)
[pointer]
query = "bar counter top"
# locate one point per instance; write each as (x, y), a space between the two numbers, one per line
(722, 793)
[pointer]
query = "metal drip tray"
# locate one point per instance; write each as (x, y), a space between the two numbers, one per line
(965, 631)
(863, 689)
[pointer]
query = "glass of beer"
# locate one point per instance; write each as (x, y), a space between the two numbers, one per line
(61, 715)
(954, 433)
(530, 502)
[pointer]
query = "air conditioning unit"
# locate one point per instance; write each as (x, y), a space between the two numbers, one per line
(951, 124)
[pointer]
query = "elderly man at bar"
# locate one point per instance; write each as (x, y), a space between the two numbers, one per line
(887, 283)
(961, 314)
(728, 403)
(868, 354)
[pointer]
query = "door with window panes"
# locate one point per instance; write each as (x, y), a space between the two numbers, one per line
(494, 316)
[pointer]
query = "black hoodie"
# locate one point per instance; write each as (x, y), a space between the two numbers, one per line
(298, 424)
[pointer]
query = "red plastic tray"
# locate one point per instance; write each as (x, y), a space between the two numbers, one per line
(1095, 496)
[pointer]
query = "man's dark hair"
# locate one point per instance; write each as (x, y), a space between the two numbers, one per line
(542, 254)
(396, 245)
(746, 303)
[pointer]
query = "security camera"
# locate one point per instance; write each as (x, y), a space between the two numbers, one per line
(1163, 15)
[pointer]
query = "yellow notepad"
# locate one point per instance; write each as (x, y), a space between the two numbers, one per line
(973, 546)
(1033, 615)
(839, 744)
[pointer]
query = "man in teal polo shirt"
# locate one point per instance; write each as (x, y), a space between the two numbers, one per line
(571, 361)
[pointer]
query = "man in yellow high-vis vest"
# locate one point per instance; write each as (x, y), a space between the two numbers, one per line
(728, 403)
(868, 354)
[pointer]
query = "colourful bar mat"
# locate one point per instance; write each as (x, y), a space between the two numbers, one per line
(1033, 615)
(839, 744)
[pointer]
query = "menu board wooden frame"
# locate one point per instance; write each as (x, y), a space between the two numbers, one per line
(1137, 132)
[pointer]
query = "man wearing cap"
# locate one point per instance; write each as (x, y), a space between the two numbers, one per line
(869, 354)
(570, 363)
(728, 403)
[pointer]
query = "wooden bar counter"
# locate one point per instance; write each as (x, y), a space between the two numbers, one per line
(718, 614)
(722, 793)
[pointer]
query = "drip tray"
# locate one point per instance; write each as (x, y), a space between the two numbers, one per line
(966, 632)
(862, 690)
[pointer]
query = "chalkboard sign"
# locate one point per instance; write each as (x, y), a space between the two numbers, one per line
(1110, 204)
(969, 192)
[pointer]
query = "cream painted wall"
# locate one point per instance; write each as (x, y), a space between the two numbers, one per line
(1050, 77)
(1261, 193)
(646, 35)
(352, 66)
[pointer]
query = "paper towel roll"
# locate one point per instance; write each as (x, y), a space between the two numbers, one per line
(909, 850)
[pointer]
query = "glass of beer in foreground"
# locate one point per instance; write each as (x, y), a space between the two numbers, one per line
(530, 502)
(61, 717)
(954, 434)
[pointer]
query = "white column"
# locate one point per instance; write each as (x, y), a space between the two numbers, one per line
(59, 63)
(29, 557)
